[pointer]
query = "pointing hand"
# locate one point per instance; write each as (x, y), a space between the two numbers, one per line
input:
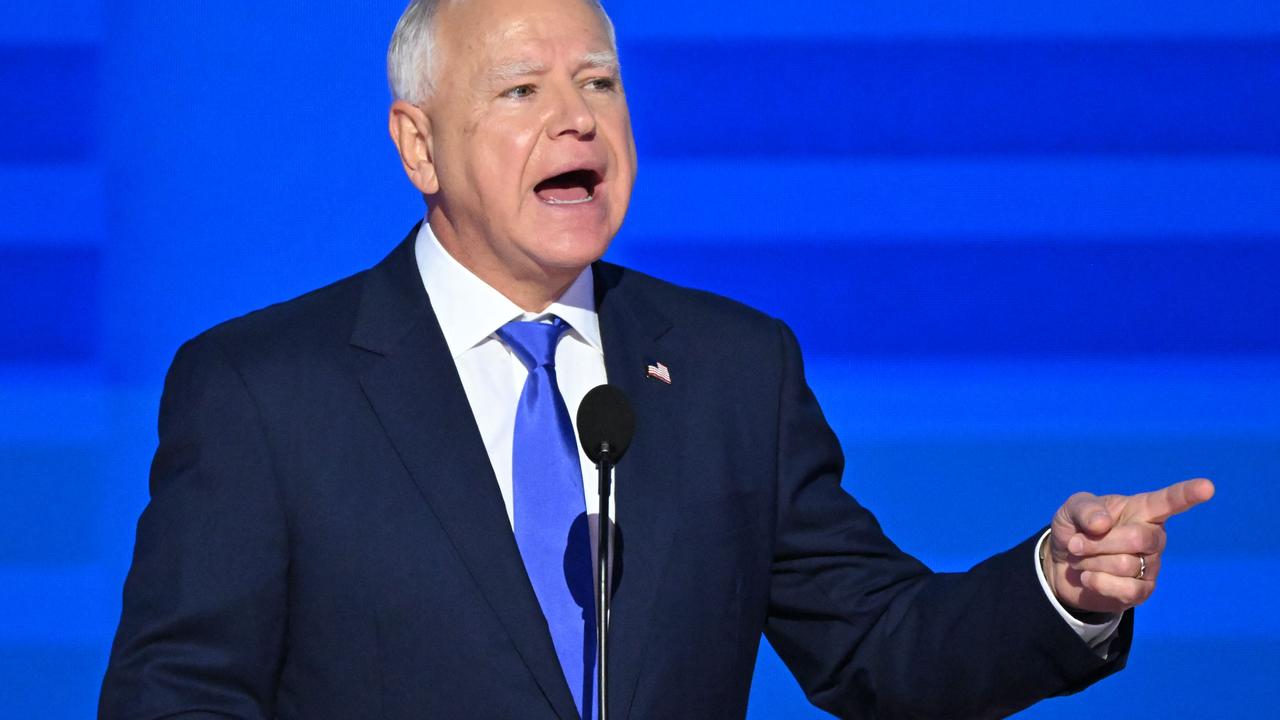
(1104, 551)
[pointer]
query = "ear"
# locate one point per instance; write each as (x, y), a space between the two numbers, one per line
(411, 131)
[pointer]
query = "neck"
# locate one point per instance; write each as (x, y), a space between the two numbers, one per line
(532, 288)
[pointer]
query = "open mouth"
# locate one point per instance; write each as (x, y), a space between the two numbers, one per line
(569, 188)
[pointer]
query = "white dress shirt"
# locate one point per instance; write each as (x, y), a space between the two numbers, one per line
(470, 312)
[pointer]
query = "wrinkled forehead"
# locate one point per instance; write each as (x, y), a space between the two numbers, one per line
(488, 34)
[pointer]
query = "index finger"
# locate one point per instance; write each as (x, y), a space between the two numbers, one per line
(1160, 505)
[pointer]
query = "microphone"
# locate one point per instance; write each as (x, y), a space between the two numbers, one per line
(605, 423)
(605, 426)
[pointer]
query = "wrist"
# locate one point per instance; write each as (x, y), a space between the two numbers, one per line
(1049, 567)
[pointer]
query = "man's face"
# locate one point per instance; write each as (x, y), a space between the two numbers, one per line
(530, 137)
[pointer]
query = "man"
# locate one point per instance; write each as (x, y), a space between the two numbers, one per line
(359, 502)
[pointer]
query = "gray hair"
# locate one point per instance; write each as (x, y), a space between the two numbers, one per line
(409, 56)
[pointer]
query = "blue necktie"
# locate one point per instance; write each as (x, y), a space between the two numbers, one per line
(550, 513)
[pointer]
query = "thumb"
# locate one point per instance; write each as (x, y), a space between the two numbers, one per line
(1086, 513)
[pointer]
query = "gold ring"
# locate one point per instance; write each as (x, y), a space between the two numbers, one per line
(1142, 567)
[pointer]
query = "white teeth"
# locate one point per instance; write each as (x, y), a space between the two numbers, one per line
(553, 201)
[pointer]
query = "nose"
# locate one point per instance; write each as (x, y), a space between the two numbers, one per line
(572, 115)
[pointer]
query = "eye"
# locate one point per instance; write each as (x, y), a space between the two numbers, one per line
(603, 84)
(518, 92)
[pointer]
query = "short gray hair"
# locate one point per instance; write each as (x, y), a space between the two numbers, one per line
(409, 56)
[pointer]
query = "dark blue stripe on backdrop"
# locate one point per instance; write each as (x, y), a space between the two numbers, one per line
(49, 304)
(948, 97)
(1059, 299)
(48, 103)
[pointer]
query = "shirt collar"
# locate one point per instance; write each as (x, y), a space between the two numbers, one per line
(469, 310)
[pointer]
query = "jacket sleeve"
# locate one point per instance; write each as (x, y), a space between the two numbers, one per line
(202, 628)
(870, 632)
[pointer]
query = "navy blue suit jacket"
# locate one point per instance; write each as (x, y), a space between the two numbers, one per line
(326, 539)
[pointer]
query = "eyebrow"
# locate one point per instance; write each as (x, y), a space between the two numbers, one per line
(509, 71)
(601, 59)
(516, 69)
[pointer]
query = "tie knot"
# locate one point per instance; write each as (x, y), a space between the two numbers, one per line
(533, 342)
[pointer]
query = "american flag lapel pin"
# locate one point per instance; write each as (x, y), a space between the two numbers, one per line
(658, 371)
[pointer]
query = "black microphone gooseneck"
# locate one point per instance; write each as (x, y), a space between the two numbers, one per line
(605, 426)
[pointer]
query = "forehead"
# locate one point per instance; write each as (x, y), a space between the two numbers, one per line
(484, 33)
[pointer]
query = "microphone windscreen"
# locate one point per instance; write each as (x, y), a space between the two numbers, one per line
(605, 416)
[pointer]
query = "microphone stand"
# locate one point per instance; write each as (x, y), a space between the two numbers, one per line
(605, 530)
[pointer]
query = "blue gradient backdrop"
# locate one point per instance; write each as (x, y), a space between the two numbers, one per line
(1030, 247)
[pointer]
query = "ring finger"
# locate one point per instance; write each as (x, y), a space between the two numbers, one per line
(1124, 566)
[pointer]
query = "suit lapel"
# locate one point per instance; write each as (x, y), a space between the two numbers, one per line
(418, 397)
(632, 333)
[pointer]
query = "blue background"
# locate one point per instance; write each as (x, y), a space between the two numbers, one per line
(1030, 247)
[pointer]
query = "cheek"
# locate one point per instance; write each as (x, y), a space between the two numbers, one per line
(620, 197)
(625, 182)
(504, 160)
(624, 150)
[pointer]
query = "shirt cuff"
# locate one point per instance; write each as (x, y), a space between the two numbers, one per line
(1097, 637)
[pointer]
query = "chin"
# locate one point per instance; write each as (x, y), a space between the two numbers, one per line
(572, 225)
(574, 250)
(568, 240)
